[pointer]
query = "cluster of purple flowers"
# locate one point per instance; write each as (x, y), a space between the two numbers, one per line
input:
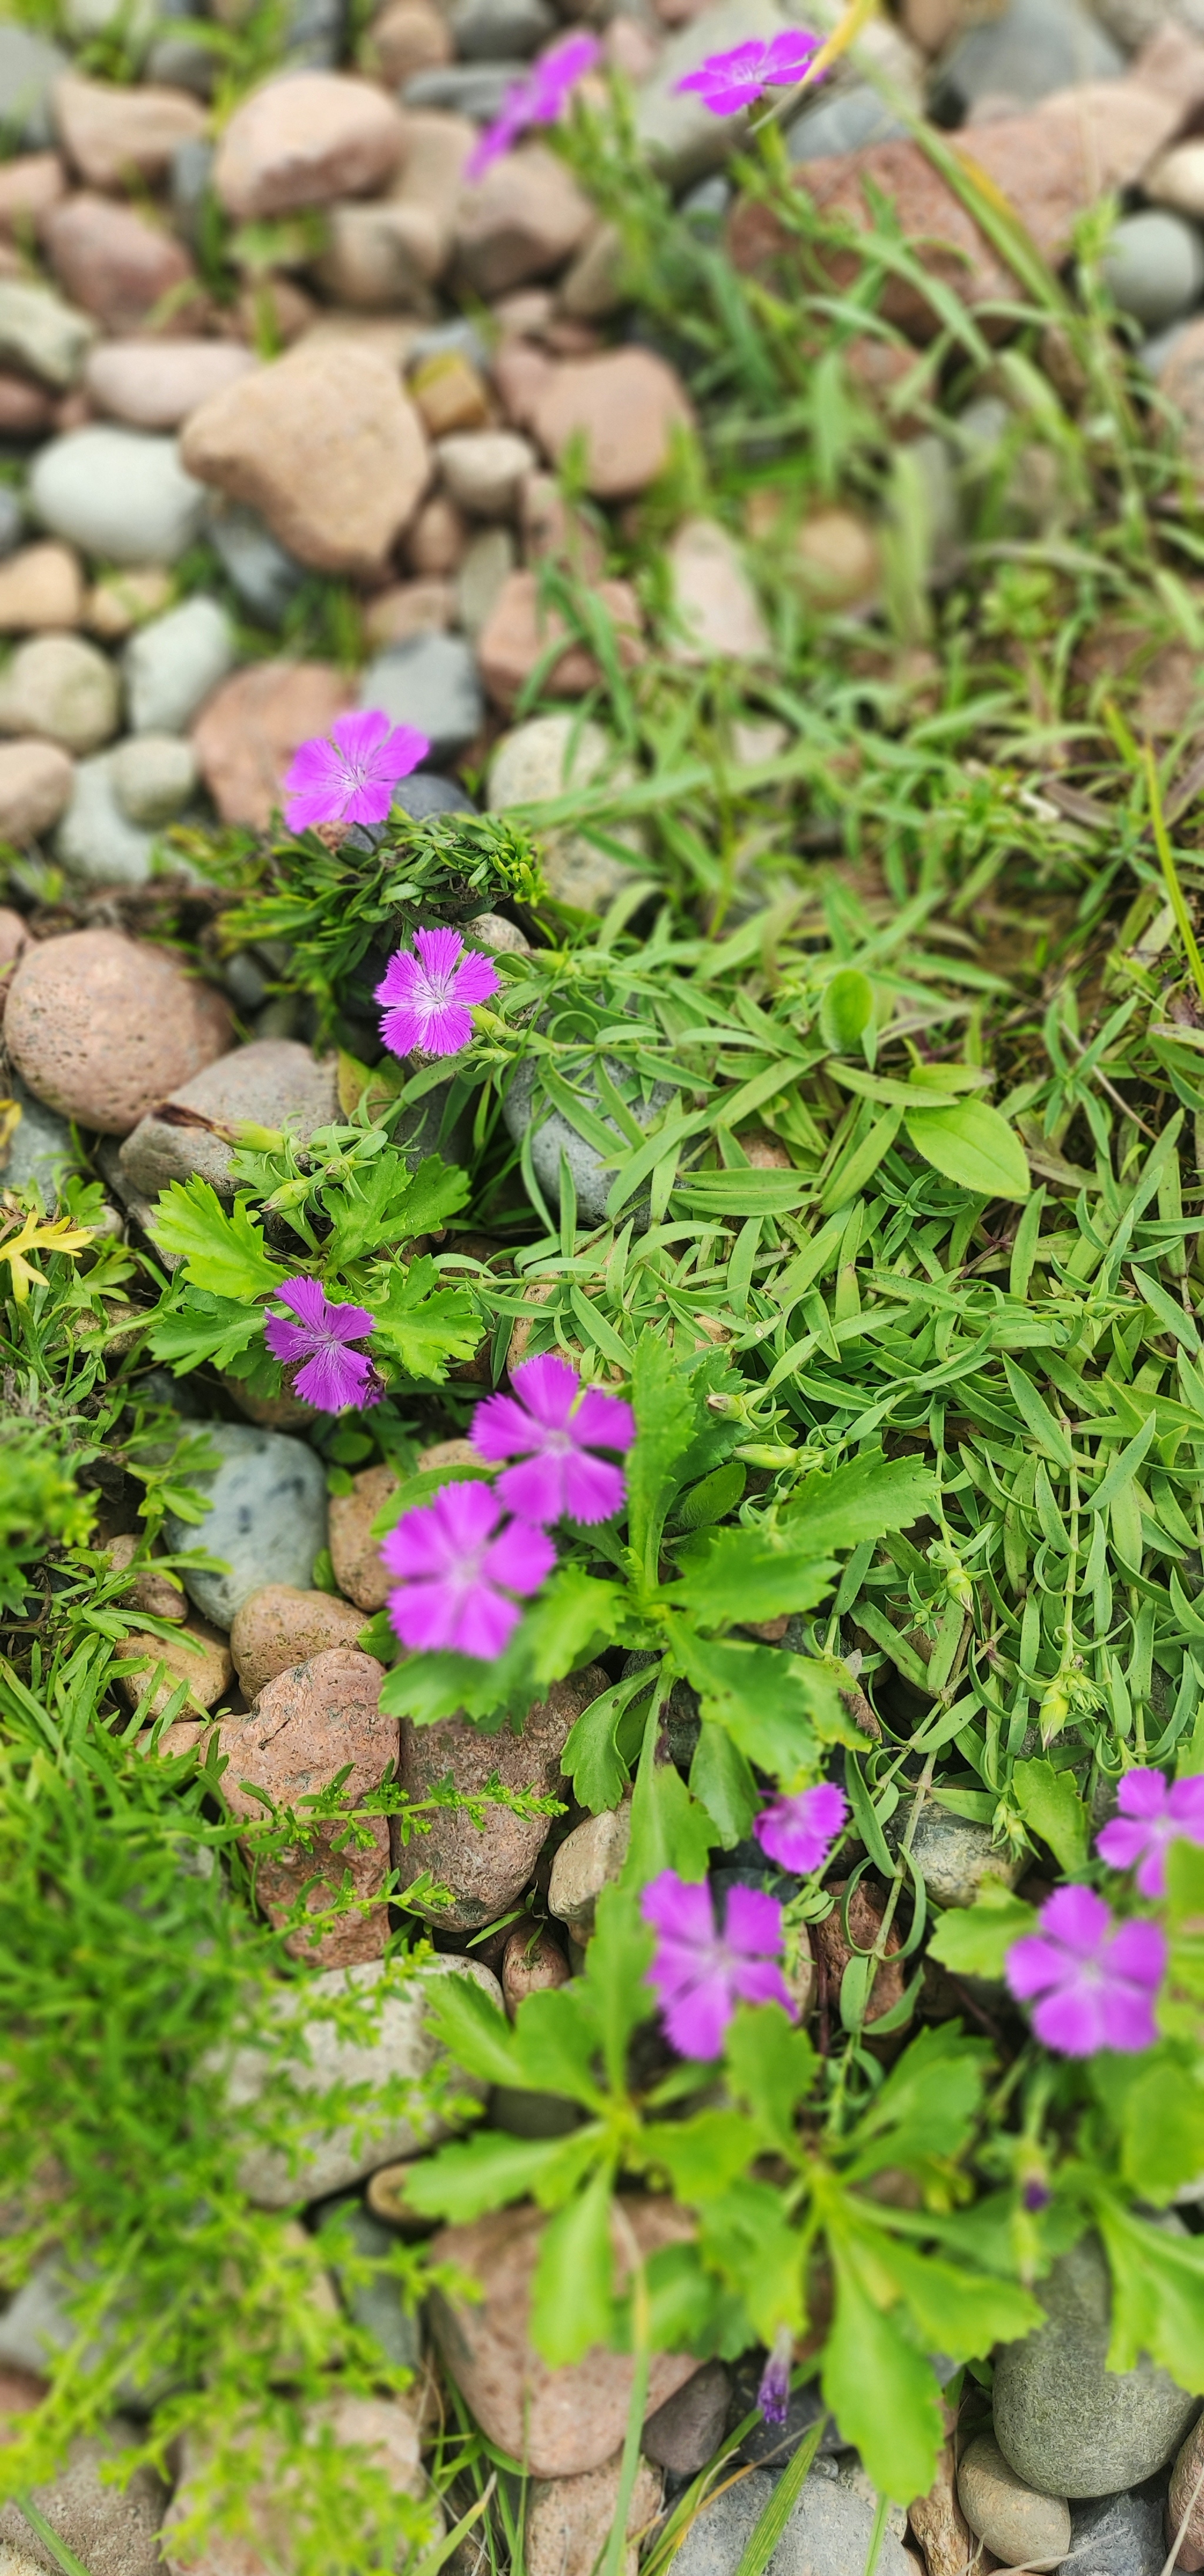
(1093, 1980)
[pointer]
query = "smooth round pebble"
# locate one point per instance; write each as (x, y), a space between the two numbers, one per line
(96, 839)
(117, 493)
(153, 777)
(1023, 2528)
(266, 1517)
(35, 785)
(175, 662)
(102, 1027)
(1154, 265)
(1065, 2422)
(60, 686)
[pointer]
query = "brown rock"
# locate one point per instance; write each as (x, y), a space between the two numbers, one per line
(569, 2520)
(389, 253)
(273, 1082)
(625, 406)
(100, 1027)
(407, 37)
(29, 187)
(112, 2526)
(523, 375)
(326, 445)
(156, 387)
(406, 609)
(1181, 379)
(24, 408)
(531, 1962)
(59, 686)
(593, 287)
(124, 600)
(304, 139)
(564, 2422)
(120, 267)
(685, 2431)
(438, 540)
(523, 219)
(385, 2428)
(35, 788)
(20, 2392)
(308, 1724)
(519, 629)
(155, 1593)
(354, 1553)
(197, 1655)
(866, 1908)
(838, 559)
(448, 394)
(553, 530)
(589, 1859)
(281, 1627)
(251, 726)
(487, 1866)
(40, 586)
(14, 937)
(115, 135)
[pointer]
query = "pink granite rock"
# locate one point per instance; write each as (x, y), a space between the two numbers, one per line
(128, 273)
(625, 406)
(305, 139)
(101, 1027)
(252, 725)
(325, 444)
(156, 384)
(117, 134)
(306, 1726)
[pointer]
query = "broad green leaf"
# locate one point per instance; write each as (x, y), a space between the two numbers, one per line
(460, 2182)
(745, 2234)
(572, 2293)
(476, 2035)
(222, 1249)
(974, 1940)
(715, 1497)
(669, 1829)
(1162, 2130)
(1051, 1807)
(703, 2156)
(772, 2066)
(744, 1574)
(555, 2040)
(723, 1781)
(882, 2391)
(591, 1758)
(381, 1203)
(959, 2312)
(192, 1327)
(846, 1010)
(664, 1412)
(859, 1501)
(1157, 2295)
(616, 1964)
(573, 1618)
(777, 1708)
(419, 1323)
(972, 1145)
(927, 2104)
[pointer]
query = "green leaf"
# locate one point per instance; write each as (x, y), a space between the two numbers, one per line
(846, 1010)
(1047, 1433)
(664, 1412)
(591, 1758)
(1162, 2130)
(460, 2182)
(382, 1202)
(1157, 2295)
(768, 2530)
(222, 1250)
(777, 1708)
(555, 2041)
(421, 1325)
(572, 2294)
(880, 2388)
(1051, 1807)
(472, 2029)
(743, 1193)
(191, 1327)
(974, 1940)
(703, 2156)
(928, 2103)
(616, 1964)
(959, 2312)
(721, 1778)
(746, 2237)
(745, 1574)
(669, 1829)
(715, 1497)
(859, 1501)
(772, 2066)
(574, 1617)
(971, 1144)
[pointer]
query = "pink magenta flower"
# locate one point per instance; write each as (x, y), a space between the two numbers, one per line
(773, 2395)
(349, 776)
(726, 82)
(701, 1973)
(1093, 1980)
(429, 997)
(799, 1832)
(540, 99)
(553, 1427)
(333, 1374)
(1154, 1813)
(457, 1569)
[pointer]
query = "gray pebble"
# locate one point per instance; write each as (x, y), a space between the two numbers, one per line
(842, 123)
(39, 1147)
(1154, 265)
(153, 777)
(117, 493)
(828, 2532)
(267, 1517)
(191, 164)
(182, 62)
(42, 335)
(271, 1083)
(1065, 2423)
(432, 683)
(489, 561)
(1118, 2535)
(684, 2432)
(313, 34)
(953, 1855)
(706, 205)
(424, 792)
(96, 840)
(592, 1177)
(29, 68)
(376, 2305)
(1031, 49)
(174, 662)
(465, 89)
(491, 31)
(262, 572)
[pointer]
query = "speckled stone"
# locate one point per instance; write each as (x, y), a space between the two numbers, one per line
(307, 1724)
(113, 2529)
(1024, 2529)
(281, 1626)
(273, 1082)
(355, 1554)
(267, 1517)
(1064, 2422)
(486, 1867)
(100, 1027)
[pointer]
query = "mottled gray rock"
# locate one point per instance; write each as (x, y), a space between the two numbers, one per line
(29, 68)
(267, 1518)
(490, 31)
(843, 123)
(117, 493)
(263, 573)
(41, 334)
(1119, 2535)
(96, 840)
(1065, 2423)
(553, 1136)
(113, 2530)
(39, 1147)
(1154, 265)
(953, 1855)
(466, 89)
(273, 1082)
(827, 2534)
(487, 566)
(1031, 49)
(1024, 2528)
(689, 2426)
(376, 2304)
(432, 683)
(424, 792)
(154, 775)
(173, 663)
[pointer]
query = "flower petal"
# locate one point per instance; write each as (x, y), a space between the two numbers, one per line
(287, 1342)
(753, 1922)
(502, 1429)
(696, 2021)
(446, 1027)
(1077, 1917)
(424, 1615)
(1122, 1841)
(334, 1377)
(549, 1387)
(1138, 1953)
(603, 1421)
(438, 951)
(402, 1029)
(486, 1619)
(520, 1557)
(534, 1490)
(403, 978)
(477, 978)
(1142, 1792)
(1071, 2020)
(593, 1488)
(679, 1907)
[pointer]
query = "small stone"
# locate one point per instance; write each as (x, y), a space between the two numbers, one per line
(280, 1627)
(1120, 2535)
(29, 68)
(309, 1723)
(713, 598)
(552, 530)
(569, 2520)
(40, 1147)
(955, 1857)
(253, 724)
(486, 1867)
(589, 1859)
(865, 1918)
(499, 30)
(842, 123)
(424, 793)
(41, 334)
(837, 559)
(1064, 2422)
(520, 628)
(1023, 2528)
(431, 683)
(326, 445)
(35, 785)
(407, 609)
(409, 36)
(102, 1026)
(482, 577)
(153, 777)
(40, 586)
(402, 2046)
(124, 600)
(448, 394)
(118, 494)
(476, 90)
(263, 573)
(119, 267)
(304, 140)
(273, 1083)
(532, 1963)
(1154, 265)
(113, 2529)
(522, 375)
(1033, 48)
(60, 686)
(483, 471)
(688, 2428)
(1176, 179)
(436, 543)
(592, 288)
(383, 2429)
(174, 663)
(96, 841)
(389, 253)
(266, 1516)
(375, 2305)
(1185, 2492)
(155, 384)
(828, 2532)
(159, 1595)
(522, 220)
(197, 1655)
(354, 1553)
(937, 2519)
(26, 411)
(554, 1136)
(625, 406)
(114, 134)
(563, 2422)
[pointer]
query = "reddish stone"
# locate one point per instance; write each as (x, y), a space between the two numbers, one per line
(113, 134)
(624, 407)
(29, 187)
(254, 723)
(116, 265)
(24, 408)
(519, 629)
(306, 1726)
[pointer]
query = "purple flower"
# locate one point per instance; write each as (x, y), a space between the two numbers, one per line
(700, 1973)
(553, 1428)
(429, 997)
(333, 1375)
(1036, 2196)
(540, 99)
(457, 1569)
(799, 1832)
(773, 2395)
(351, 778)
(1094, 1979)
(1153, 1814)
(726, 82)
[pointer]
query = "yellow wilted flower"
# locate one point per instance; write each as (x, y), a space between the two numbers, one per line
(38, 1234)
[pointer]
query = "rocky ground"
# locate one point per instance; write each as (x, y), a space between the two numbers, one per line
(800, 530)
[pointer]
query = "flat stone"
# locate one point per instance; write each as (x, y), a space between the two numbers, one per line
(449, 393)
(406, 37)
(156, 384)
(590, 1858)
(112, 2529)
(523, 219)
(532, 1964)
(303, 140)
(717, 610)
(624, 406)
(175, 662)
(482, 577)
(253, 724)
(561, 2422)
(307, 1724)
(553, 1136)
(837, 559)
(354, 1553)
(273, 1083)
(157, 1594)
(40, 1148)
(40, 586)
(1031, 49)
(60, 686)
(569, 2520)
(688, 2428)
(96, 840)
(483, 470)
(42, 334)
(262, 571)
(120, 268)
(325, 444)
(102, 1026)
(520, 628)
(594, 286)
(436, 543)
(196, 1655)
(118, 494)
(1064, 2422)
(1120, 2535)
(29, 68)
(1023, 2528)
(486, 1867)
(401, 2046)
(387, 254)
(828, 2533)
(499, 30)
(281, 1626)
(266, 1515)
(431, 683)
(117, 133)
(153, 777)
